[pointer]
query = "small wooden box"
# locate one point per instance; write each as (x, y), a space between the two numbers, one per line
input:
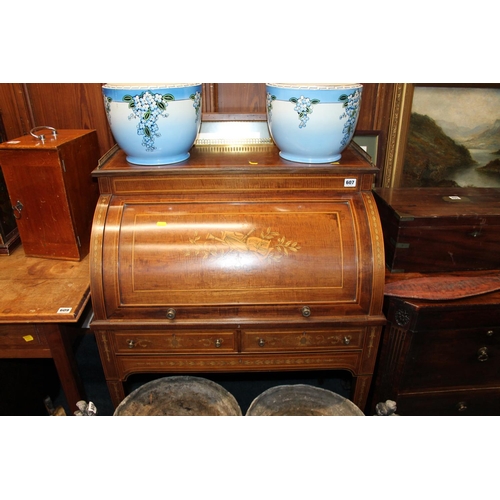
(440, 229)
(52, 192)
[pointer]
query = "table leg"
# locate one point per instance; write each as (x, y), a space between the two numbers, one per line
(60, 344)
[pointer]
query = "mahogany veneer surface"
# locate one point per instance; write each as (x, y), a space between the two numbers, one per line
(440, 357)
(41, 303)
(440, 229)
(237, 260)
(50, 183)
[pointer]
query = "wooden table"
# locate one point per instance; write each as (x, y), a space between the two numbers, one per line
(41, 303)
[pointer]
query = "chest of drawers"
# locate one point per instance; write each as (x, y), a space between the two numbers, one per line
(237, 261)
(441, 357)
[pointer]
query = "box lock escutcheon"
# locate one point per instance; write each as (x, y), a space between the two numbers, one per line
(17, 208)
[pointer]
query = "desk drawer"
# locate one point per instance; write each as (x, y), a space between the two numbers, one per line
(133, 342)
(453, 358)
(485, 402)
(20, 336)
(301, 340)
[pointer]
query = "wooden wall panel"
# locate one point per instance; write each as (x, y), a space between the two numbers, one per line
(375, 115)
(58, 105)
(71, 106)
(241, 98)
(14, 109)
(80, 106)
(375, 106)
(244, 98)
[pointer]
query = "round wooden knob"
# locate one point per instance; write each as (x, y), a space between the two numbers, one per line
(306, 311)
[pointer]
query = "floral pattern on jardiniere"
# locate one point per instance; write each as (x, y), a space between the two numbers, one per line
(148, 107)
(351, 105)
(304, 107)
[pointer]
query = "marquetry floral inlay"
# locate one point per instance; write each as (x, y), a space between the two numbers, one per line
(270, 244)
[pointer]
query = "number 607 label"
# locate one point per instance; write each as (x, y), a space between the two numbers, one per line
(350, 183)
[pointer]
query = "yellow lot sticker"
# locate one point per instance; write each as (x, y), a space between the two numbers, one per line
(28, 338)
(161, 223)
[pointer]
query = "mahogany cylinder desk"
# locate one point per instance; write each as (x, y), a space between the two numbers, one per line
(236, 260)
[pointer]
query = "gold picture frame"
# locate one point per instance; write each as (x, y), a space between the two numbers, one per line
(399, 126)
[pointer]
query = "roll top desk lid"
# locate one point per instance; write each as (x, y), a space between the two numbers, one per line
(182, 253)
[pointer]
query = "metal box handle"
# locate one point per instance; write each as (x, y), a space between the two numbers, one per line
(41, 137)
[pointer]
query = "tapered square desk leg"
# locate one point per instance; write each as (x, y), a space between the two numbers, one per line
(60, 343)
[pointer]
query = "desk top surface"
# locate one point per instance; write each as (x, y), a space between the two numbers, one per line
(242, 160)
(36, 290)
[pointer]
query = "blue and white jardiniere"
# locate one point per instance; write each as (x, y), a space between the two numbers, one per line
(154, 124)
(312, 123)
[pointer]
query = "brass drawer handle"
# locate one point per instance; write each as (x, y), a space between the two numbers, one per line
(171, 313)
(261, 342)
(347, 339)
(131, 343)
(306, 311)
(462, 406)
(218, 342)
(482, 354)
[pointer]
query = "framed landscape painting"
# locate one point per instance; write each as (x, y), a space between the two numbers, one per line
(445, 135)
